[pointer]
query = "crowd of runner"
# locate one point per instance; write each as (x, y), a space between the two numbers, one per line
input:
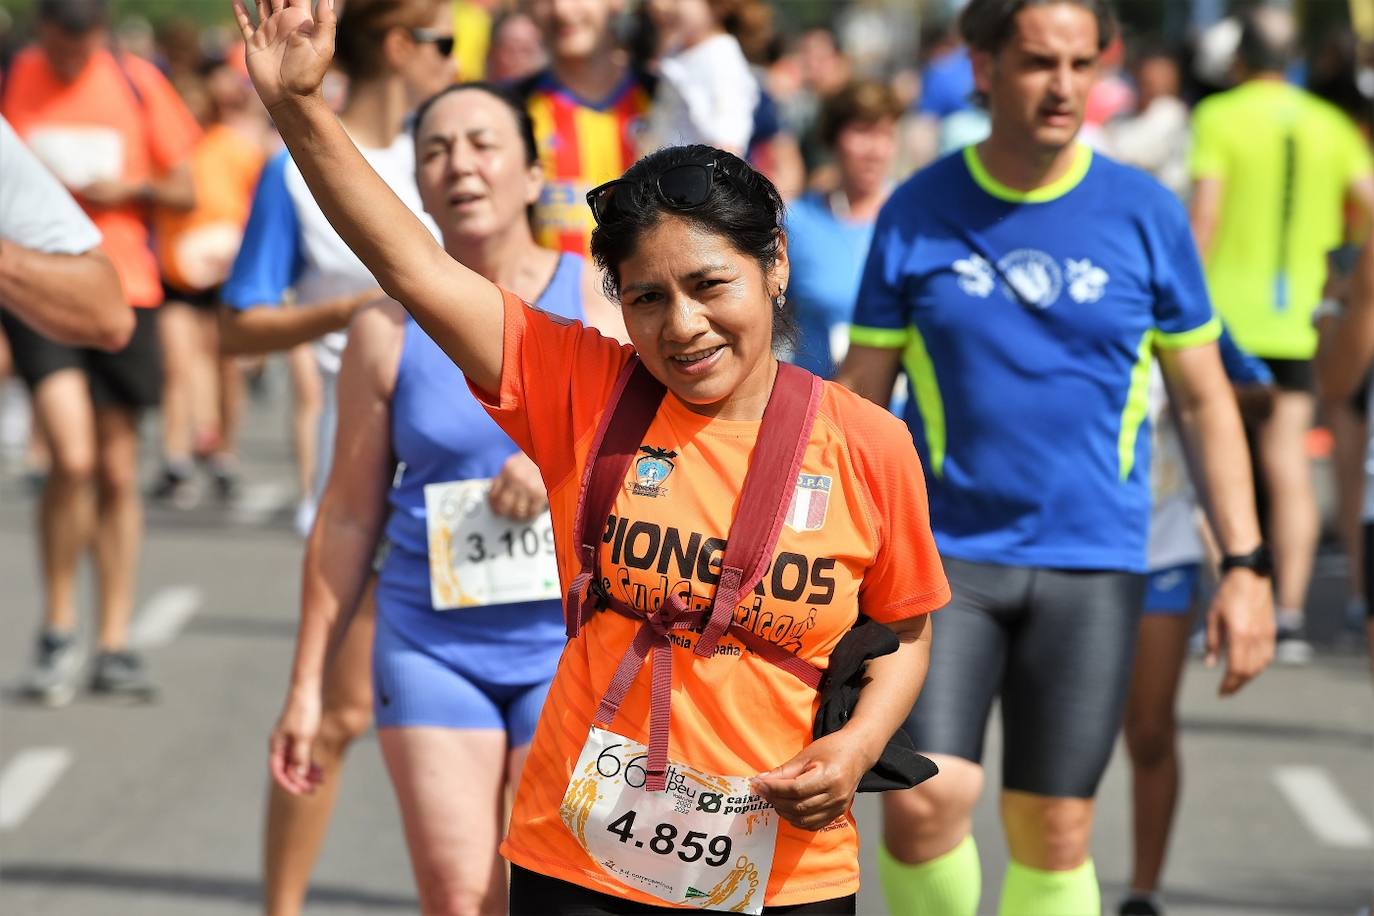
(558, 282)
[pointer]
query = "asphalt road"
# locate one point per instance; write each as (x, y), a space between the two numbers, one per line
(108, 809)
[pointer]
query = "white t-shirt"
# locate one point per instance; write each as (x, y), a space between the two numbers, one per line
(706, 94)
(35, 209)
(289, 245)
(331, 270)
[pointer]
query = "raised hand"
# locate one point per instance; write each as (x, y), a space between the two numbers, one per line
(290, 50)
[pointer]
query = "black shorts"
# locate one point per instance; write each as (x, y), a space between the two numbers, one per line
(130, 378)
(207, 299)
(533, 894)
(1293, 374)
(1359, 401)
(1056, 646)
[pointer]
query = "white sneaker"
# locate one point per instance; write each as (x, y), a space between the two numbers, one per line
(57, 662)
(1290, 646)
(305, 517)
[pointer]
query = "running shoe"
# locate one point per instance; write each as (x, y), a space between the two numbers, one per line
(121, 675)
(57, 661)
(1356, 611)
(174, 488)
(305, 517)
(1291, 646)
(1138, 905)
(226, 479)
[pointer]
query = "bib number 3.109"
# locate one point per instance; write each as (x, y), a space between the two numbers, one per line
(477, 558)
(705, 841)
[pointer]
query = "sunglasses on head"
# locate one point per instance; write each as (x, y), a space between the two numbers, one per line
(682, 187)
(442, 43)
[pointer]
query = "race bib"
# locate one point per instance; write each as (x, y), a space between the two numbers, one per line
(79, 154)
(477, 558)
(705, 841)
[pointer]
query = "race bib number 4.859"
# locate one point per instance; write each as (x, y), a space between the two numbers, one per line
(705, 841)
(477, 558)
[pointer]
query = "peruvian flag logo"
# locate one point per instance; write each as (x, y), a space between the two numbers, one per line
(810, 499)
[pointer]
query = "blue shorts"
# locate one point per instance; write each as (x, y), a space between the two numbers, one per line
(1173, 589)
(415, 688)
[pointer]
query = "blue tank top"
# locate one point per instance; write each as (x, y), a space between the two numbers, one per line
(440, 433)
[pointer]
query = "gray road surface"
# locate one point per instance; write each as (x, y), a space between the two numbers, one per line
(157, 810)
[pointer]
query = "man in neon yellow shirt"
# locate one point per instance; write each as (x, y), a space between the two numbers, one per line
(1272, 166)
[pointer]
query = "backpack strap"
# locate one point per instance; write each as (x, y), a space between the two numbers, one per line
(754, 531)
(633, 403)
(766, 496)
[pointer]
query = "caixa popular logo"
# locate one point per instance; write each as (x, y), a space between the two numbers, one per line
(652, 470)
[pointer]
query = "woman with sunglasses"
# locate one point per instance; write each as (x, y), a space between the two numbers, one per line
(743, 809)
(393, 54)
(388, 52)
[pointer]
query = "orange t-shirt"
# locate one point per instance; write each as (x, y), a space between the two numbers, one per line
(96, 128)
(857, 539)
(196, 249)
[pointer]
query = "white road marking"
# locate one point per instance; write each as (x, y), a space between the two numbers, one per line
(164, 615)
(260, 502)
(26, 779)
(1322, 807)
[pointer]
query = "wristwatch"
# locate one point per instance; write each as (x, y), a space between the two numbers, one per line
(1259, 561)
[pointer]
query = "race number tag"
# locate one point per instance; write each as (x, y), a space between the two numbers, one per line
(477, 558)
(705, 841)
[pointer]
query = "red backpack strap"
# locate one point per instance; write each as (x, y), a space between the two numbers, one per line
(768, 486)
(634, 401)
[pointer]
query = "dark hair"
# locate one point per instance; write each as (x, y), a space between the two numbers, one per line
(524, 125)
(987, 25)
(75, 17)
(743, 207)
(859, 102)
(1150, 47)
(363, 25)
(750, 21)
(1263, 46)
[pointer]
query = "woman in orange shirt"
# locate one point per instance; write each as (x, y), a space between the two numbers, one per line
(674, 764)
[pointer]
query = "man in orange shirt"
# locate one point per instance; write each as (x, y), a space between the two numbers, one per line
(114, 132)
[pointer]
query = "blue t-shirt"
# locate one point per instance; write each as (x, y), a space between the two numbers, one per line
(1242, 367)
(827, 255)
(947, 84)
(1028, 404)
(439, 433)
(269, 260)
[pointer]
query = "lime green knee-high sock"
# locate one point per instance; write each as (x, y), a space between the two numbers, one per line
(946, 886)
(1033, 892)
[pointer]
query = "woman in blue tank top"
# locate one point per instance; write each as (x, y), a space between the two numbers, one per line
(469, 623)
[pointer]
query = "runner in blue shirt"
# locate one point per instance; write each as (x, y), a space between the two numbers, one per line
(1023, 286)
(828, 233)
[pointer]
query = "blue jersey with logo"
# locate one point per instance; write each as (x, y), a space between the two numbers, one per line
(1027, 323)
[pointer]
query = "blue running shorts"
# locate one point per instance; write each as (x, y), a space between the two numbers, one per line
(412, 687)
(1173, 589)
